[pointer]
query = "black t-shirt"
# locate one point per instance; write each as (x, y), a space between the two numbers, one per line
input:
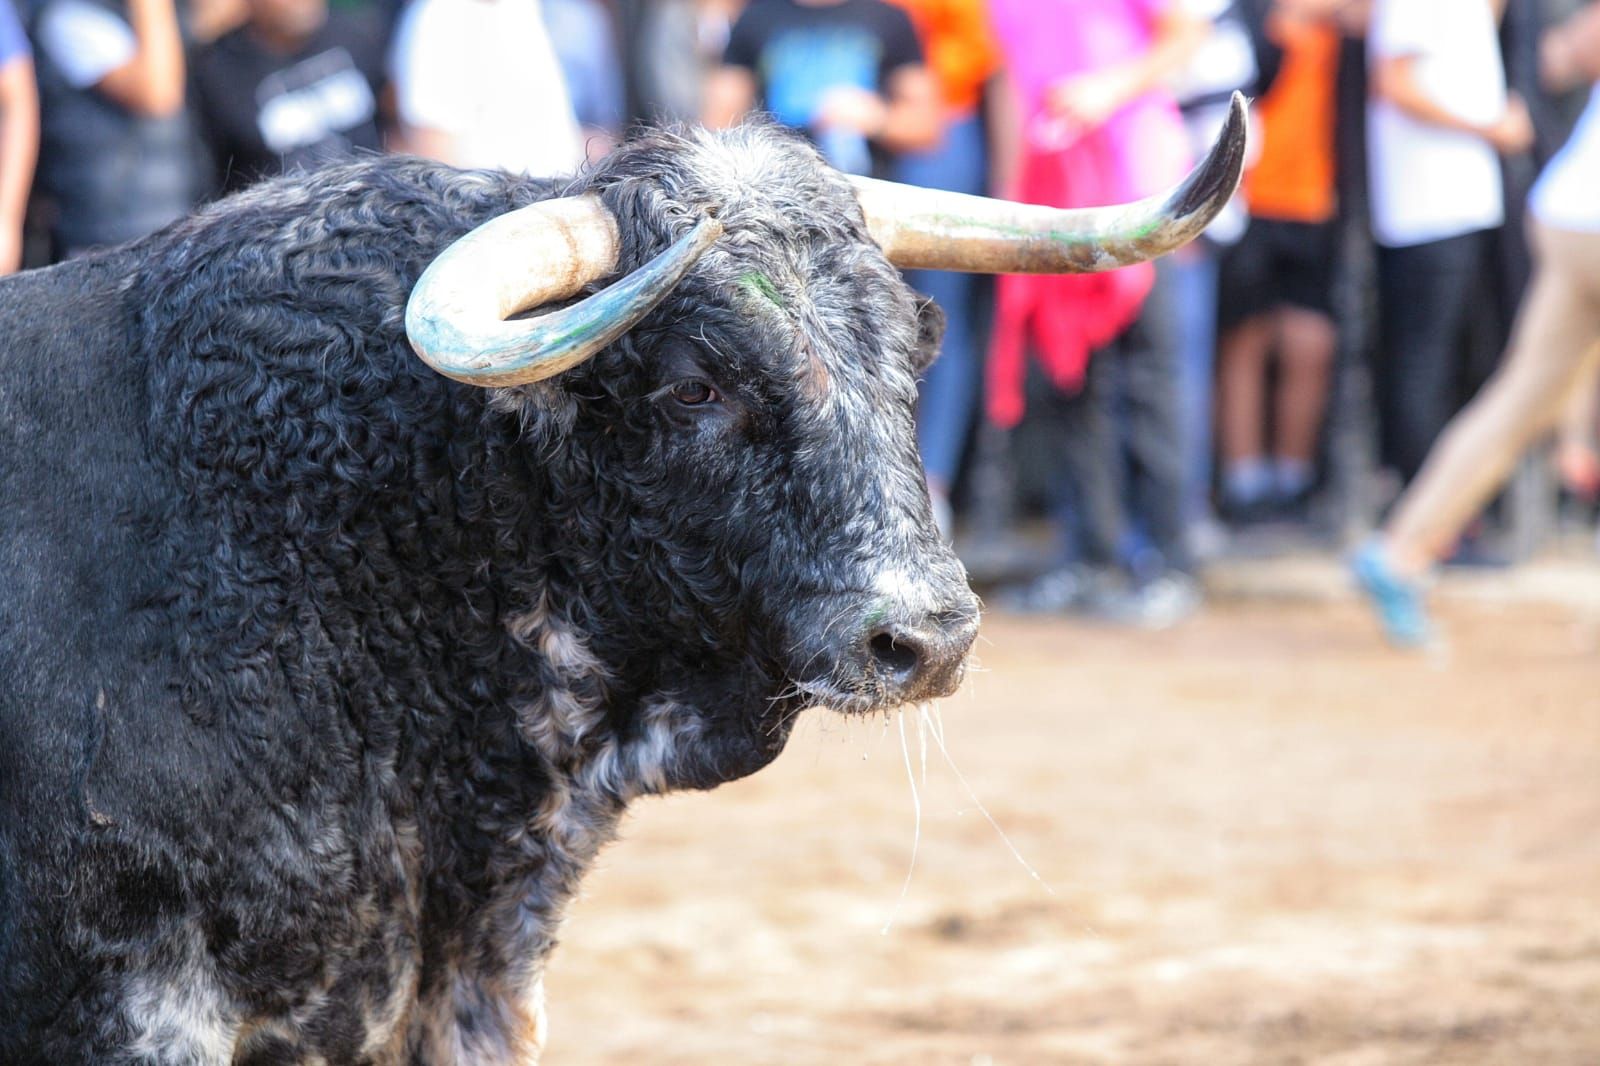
(264, 113)
(798, 52)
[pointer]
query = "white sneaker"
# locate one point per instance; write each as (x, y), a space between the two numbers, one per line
(1162, 602)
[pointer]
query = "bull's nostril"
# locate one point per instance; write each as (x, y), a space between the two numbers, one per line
(895, 655)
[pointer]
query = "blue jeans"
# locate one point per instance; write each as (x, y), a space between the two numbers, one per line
(949, 392)
(1120, 488)
(1194, 298)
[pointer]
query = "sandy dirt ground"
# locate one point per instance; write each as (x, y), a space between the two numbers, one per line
(1261, 838)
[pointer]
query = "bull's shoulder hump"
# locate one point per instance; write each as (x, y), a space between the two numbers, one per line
(70, 379)
(71, 453)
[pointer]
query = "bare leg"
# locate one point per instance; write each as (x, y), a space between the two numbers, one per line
(1557, 339)
(1241, 387)
(1578, 451)
(1306, 342)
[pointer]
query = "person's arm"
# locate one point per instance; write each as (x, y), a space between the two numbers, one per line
(907, 120)
(1351, 16)
(210, 19)
(1354, 16)
(730, 94)
(152, 82)
(1569, 54)
(731, 89)
(1089, 99)
(425, 141)
(903, 114)
(1004, 107)
(1395, 81)
(914, 121)
(19, 148)
(426, 92)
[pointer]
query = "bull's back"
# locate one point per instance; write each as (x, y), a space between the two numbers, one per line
(73, 471)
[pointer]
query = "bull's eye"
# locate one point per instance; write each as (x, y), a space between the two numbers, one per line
(695, 393)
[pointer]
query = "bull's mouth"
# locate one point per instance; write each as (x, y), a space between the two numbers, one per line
(890, 666)
(873, 697)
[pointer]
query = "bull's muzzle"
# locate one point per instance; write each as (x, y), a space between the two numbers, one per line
(919, 659)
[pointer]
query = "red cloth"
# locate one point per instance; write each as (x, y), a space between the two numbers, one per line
(1062, 318)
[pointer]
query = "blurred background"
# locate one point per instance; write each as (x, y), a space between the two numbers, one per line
(1199, 496)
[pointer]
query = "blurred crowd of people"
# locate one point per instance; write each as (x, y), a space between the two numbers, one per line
(1373, 261)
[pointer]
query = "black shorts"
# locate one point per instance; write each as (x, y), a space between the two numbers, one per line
(1277, 264)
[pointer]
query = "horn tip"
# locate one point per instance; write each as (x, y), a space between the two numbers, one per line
(1216, 178)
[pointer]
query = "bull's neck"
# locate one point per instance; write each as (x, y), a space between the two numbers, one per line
(470, 686)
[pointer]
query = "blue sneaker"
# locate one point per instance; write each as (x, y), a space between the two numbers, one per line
(1399, 603)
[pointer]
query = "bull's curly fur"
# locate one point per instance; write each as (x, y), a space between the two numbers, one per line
(354, 668)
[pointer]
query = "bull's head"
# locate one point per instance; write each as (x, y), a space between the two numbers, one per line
(744, 399)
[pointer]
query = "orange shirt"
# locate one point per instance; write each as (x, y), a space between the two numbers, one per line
(1294, 178)
(960, 48)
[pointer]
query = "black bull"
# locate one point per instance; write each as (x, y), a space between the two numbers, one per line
(323, 677)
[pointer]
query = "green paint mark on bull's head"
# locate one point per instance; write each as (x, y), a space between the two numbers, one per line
(761, 287)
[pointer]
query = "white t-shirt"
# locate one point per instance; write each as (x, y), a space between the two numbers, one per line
(1224, 62)
(1567, 195)
(484, 72)
(86, 42)
(1430, 183)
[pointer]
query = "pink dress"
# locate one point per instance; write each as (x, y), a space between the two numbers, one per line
(1140, 150)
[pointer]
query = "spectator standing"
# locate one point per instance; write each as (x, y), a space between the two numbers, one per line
(1087, 122)
(1235, 57)
(19, 135)
(294, 87)
(585, 40)
(116, 155)
(477, 84)
(849, 73)
(961, 53)
(1277, 292)
(672, 47)
(1439, 113)
(1554, 349)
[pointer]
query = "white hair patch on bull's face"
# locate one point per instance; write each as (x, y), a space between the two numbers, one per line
(906, 589)
(180, 1017)
(732, 163)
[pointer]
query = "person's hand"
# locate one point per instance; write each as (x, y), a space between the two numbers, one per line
(1569, 54)
(1312, 11)
(1558, 63)
(1512, 132)
(210, 19)
(1088, 100)
(1351, 16)
(852, 108)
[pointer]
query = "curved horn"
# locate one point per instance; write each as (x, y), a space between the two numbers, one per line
(547, 251)
(934, 230)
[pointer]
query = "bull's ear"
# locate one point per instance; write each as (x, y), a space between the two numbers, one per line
(930, 333)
